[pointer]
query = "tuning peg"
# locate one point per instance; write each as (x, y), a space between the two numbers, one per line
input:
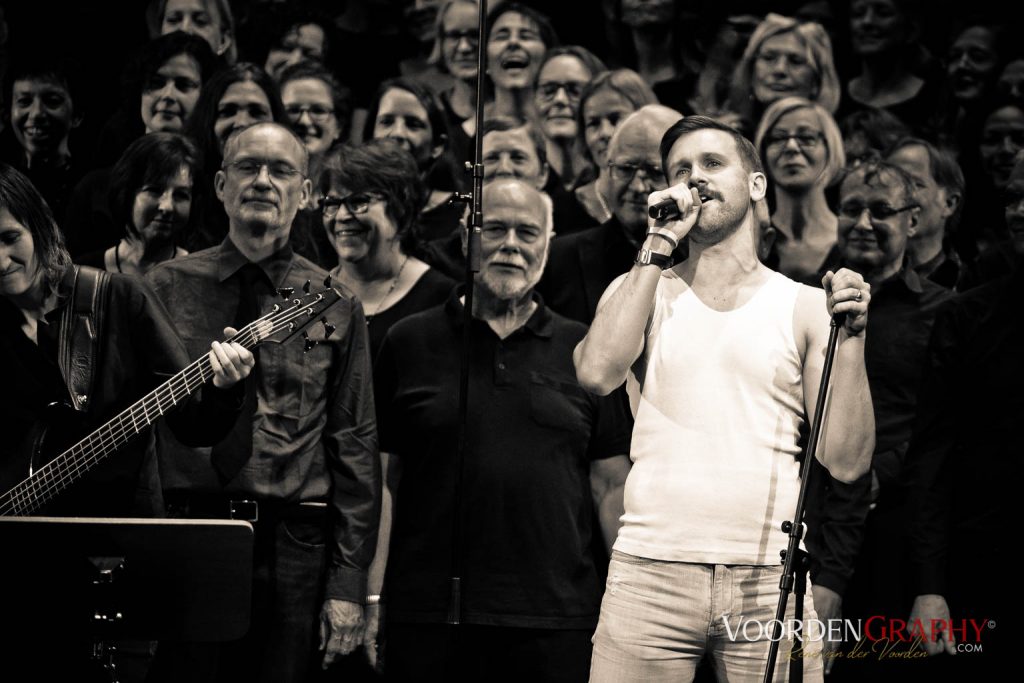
(306, 287)
(285, 292)
(307, 344)
(327, 281)
(328, 328)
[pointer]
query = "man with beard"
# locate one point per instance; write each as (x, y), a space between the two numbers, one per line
(583, 265)
(540, 454)
(302, 464)
(723, 360)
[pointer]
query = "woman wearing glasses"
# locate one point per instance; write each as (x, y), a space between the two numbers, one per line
(317, 106)
(455, 55)
(605, 103)
(372, 196)
(318, 109)
(564, 73)
(802, 150)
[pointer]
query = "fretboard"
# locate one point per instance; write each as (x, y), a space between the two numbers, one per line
(64, 470)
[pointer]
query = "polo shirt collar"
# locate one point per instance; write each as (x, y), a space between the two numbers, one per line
(540, 323)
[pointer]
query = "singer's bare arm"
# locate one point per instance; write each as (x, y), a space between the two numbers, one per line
(848, 433)
(616, 337)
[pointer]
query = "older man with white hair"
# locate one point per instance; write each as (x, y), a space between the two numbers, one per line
(540, 455)
(584, 264)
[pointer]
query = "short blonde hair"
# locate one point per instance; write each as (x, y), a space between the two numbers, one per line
(835, 161)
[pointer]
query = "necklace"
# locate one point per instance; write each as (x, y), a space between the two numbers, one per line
(117, 256)
(394, 283)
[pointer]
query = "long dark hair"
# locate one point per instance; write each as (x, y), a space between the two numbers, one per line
(21, 198)
(200, 124)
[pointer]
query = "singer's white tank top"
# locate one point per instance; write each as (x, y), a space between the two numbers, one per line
(718, 401)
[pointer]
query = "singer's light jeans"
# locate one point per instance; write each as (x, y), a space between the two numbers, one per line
(658, 619)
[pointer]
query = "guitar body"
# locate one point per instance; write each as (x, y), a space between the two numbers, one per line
(60, 427)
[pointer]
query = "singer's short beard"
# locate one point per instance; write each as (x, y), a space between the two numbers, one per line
(714, 229)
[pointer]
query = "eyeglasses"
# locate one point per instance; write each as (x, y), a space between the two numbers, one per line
(455, 36)
(627, 172)
(250, 168)
(879, 211)
(548, 89)
(496, 232)
(358, 203)
(317, 112)
(803, 140)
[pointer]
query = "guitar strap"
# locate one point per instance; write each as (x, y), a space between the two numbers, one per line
(81, 326)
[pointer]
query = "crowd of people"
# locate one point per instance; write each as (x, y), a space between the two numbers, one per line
(610, 499)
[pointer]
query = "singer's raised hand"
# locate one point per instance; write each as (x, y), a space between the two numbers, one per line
(687, 200)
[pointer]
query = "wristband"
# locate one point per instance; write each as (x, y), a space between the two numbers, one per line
(372, 600)
(668, 238)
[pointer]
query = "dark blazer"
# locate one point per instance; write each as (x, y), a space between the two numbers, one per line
(581, 266)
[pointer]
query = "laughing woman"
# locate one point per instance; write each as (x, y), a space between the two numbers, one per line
(517, 38)
(371, 199)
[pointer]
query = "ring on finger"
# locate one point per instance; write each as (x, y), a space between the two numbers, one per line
(859, 295)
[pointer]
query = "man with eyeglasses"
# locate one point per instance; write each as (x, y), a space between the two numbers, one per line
(305, 448)
(939, 192)
(858, 529)
(964, 468)
(583, 265)
(541, 455)
(722, 358)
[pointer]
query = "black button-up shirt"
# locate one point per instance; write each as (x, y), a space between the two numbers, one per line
(314, 431)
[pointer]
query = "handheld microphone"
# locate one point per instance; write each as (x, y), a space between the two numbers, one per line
(664, 210)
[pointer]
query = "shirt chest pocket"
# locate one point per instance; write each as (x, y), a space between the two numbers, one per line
(560, 404)
(293, 381)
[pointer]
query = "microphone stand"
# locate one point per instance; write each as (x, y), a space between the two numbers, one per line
(795, 561)
(475, 199)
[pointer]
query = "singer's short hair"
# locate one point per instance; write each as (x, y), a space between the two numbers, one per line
(691, 124)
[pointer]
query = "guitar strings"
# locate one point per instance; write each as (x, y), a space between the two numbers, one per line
(43, 485)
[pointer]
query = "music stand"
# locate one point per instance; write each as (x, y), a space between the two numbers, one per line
(138, 579)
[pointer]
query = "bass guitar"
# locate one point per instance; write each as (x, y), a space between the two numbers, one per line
(42, 472)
